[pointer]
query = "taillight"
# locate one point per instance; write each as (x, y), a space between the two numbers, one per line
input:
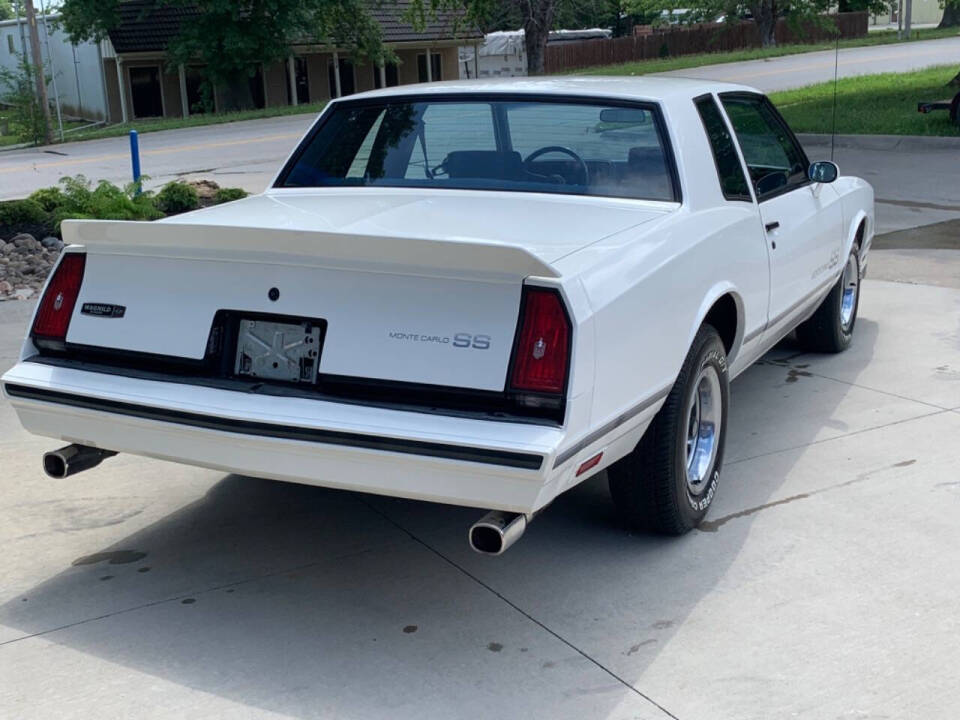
(56, 307)
(543, 343)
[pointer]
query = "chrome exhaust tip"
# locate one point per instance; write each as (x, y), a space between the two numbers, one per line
(72, 459)
(496, 531)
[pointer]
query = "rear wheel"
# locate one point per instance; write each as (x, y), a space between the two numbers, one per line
(830, 328)
(668, 482)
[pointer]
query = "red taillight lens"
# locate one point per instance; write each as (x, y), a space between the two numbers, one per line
(56, 307)
(543, 346)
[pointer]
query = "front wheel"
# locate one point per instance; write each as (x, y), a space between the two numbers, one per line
(668, 482)
(830, 328)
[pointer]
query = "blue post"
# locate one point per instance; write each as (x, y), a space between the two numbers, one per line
(135, 156)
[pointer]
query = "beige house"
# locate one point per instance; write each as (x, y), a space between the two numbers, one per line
(140, 83)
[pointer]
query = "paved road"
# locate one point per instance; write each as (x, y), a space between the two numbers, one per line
(248, 154)
(793, 71)
(245, 154)
(823, 584)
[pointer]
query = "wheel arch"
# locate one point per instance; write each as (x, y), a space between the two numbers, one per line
(722, 307)
(858, 228)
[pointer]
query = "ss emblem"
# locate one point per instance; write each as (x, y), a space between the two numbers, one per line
(466, 340)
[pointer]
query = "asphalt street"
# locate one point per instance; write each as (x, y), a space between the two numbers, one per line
(822, 585)
(248, 154)
(792, 71)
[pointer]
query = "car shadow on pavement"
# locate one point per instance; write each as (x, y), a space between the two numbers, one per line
(312, 602)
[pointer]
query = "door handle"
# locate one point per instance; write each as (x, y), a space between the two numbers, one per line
(771, 226)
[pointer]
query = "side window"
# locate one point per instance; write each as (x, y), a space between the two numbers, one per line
(733, 183)
(776, 163)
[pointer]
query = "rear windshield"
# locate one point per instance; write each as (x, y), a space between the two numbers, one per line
(529, 145)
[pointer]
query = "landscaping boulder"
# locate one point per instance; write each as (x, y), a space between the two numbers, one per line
(52, 243)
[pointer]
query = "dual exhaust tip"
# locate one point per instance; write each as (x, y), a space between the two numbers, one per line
(72, 459)
(493, 534)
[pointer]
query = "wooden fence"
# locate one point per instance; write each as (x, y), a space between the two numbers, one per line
(705, 38)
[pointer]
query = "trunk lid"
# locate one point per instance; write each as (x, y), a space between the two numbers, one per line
(411, 287)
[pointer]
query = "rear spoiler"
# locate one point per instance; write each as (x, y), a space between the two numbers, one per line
(443, 258)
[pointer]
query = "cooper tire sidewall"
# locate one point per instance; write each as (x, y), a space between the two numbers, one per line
(694, 507)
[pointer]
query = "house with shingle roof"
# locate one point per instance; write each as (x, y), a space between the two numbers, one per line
(140, 83)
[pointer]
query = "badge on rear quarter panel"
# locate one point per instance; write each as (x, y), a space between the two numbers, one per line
(103, 310)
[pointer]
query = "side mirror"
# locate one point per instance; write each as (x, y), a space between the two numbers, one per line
(823, 171)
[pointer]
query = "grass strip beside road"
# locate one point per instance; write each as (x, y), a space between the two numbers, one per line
(884, 104)
(146, 125)
(684, 62)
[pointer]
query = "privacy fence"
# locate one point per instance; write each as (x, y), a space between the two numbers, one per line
(689, 40)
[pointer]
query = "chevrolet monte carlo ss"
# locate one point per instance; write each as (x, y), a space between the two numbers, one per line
(479, 293)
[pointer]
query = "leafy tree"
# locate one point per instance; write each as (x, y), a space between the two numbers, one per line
(951, 15)
(233, 37)
(6, 10)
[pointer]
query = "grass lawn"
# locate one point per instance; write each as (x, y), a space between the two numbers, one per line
(873, 104)
(644, 67)
(154, 124)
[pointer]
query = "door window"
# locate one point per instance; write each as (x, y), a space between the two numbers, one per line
(733, 183)
(436, 69)
(776, 162)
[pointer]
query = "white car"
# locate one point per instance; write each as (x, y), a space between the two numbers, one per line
(479, 293)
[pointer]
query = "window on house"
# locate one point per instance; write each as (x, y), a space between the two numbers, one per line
(10, 46)
(347, 86)
(436, 68)
(390, 72)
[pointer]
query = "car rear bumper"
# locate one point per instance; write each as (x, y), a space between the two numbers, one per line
(464, 461)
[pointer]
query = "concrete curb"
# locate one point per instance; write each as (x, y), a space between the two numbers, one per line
(889, 143)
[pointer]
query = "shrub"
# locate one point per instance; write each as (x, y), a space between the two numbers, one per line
(177, 197)
(49, 197)
(229, 195)
(104, 202)
(22, 212)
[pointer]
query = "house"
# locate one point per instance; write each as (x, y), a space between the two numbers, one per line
(141, 84)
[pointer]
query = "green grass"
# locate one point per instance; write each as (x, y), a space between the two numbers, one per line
(154, 124)
(883, 104)
(683, 62)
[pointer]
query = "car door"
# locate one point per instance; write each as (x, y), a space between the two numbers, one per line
(801, 219)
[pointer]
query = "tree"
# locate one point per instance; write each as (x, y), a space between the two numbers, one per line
(951, 14)
(232, 38)
(6, 10)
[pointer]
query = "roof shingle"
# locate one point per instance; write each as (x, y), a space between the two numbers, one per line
(145, 27)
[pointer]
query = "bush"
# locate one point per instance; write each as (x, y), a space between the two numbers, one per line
(22, 212)
(50, 198)
(104, 202)
(26, 113)
(229, 195)
(177, 197)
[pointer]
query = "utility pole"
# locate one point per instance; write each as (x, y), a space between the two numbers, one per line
(38, 68)
(907, 13)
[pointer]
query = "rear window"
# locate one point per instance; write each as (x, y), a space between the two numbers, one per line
(520, 145)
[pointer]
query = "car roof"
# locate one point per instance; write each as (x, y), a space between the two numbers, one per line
(652, 88)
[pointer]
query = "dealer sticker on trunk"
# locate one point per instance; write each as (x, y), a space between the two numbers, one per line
(103, 310)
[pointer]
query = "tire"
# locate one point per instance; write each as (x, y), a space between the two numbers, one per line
(650, 486)
(830, 328)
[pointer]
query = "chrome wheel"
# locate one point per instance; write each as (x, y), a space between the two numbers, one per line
(704, 417)
(848, 295)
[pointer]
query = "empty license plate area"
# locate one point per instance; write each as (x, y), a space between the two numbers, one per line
(286, 350)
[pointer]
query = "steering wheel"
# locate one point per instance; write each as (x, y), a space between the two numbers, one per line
(584, 170)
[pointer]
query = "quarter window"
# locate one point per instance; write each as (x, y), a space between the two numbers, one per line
(776, 162)
(733, 183)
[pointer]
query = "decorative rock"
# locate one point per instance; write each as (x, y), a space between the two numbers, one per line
(52, 243)
(23, 293)
(8, 248)
(5, 287)
(24, 240)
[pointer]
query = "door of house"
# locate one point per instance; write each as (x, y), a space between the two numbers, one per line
(347, 86)
(145, 91)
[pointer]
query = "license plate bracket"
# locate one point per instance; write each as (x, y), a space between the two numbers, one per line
(281, 351)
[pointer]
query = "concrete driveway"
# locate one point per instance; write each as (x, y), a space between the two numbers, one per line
(823, 585)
